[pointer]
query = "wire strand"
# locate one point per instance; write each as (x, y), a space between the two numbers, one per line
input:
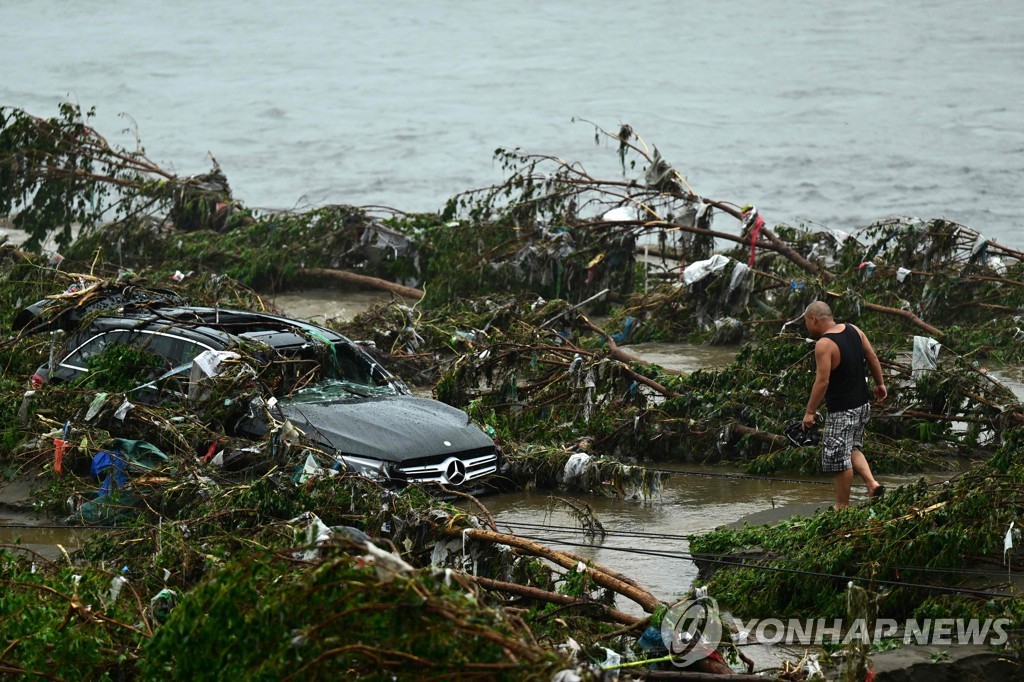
(667, 536)
(818, 574)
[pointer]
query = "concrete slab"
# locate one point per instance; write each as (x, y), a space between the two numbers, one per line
(937, 663)
(773, 516)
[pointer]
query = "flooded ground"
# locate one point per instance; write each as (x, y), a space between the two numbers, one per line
(20, 526)
(646, 540)
(684, 357)
(320, 305)
(45, 540)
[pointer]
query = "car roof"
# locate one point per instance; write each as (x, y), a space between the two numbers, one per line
(220, 326)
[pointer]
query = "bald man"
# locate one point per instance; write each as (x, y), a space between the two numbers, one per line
(840, 355)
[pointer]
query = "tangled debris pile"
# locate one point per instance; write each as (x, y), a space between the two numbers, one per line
(496, 308)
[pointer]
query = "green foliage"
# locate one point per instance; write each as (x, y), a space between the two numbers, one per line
(62, 619)
(120, 367)
(11, 432)
(261, 251)
(919, 535)
(266, 618)
(46, 171)
(59, 173)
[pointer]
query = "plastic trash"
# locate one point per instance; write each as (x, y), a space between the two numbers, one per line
(387, 565)
(577, 362)
(739, 271)
(205, 366)
(316, 535)
(311, 469)
(26, 402)
(575, 468)
(979, 252)
(123, 410)
(566, 676)
(95, 406)
(161, 604)
(651, 640)
(60, 446)
(612, 659)
(621, 214)
(115, 587)
(752, 221)
(110, 466)
(695, 272)
(1011, 535)
(925, 356)
(628, 326)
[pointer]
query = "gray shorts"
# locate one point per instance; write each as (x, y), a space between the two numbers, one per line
(844, 433)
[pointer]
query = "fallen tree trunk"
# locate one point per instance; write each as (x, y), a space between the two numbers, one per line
(907, 315)
(796, 257)
(626, 357)
(601, 576)
(550, 597)
(772, 438)
(363, 280)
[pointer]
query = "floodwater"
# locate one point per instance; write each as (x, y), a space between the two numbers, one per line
(647, 540)
(834, 113)
(41, 539)
(20, 527)
(321, 305)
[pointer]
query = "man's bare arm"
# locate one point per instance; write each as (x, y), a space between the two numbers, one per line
(874, 366)
(823, 364)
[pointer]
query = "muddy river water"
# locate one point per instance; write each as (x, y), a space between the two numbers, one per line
(646, 539)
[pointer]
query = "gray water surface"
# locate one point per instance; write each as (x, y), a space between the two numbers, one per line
(837, 113)
(647, 540)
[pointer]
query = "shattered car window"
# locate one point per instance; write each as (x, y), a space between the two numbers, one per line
(79, 358)
(340, 389)
(175, 349)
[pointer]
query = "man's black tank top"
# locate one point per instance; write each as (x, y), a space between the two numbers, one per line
(847, 386)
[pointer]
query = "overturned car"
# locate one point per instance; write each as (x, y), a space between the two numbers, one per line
(358, 412)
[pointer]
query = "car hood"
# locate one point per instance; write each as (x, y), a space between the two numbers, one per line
(394, 428)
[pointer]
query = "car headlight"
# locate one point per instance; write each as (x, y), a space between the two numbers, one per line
(364, 466)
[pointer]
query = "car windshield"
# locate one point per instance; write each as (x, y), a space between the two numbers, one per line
(340, 389)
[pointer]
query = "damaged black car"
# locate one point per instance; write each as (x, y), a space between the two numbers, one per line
(362, 415)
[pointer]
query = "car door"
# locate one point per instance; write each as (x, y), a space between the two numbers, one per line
(178, 352)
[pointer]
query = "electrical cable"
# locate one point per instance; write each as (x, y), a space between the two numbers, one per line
(817, 574)
(666, 536)
(23, 526)
(742, 477)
